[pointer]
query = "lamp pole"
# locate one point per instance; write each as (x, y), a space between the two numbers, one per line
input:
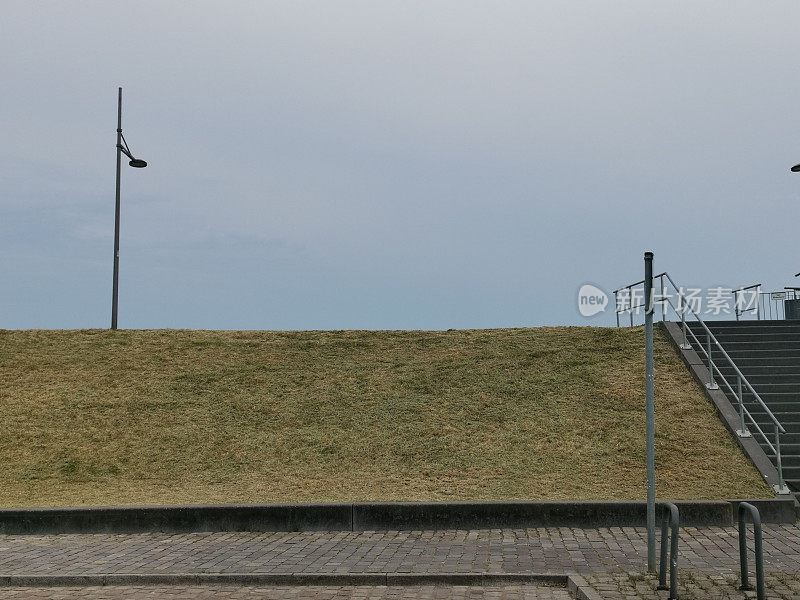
(122, 148)
(115, 292)
(649, 411)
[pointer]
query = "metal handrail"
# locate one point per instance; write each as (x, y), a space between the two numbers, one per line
(743, 430)
(711, 340)
(625, 287)
(747, 287)
(729, 359)
(631, 307)
(670, 521)
(756, 308)
(759, 551)
(766, 303)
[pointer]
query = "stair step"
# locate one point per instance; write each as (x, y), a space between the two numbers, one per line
(778, 407)
(784, 419)
(757, 379)
(743, 325)
(761, 338)
(768, 427)
(749, 370)
(740, 348)
(758, 362)
(769, 397)
(770, 388)
(754, 323)
(768, 335)
(754, 407)
(748, 353)
(732, 331)
(750, 366)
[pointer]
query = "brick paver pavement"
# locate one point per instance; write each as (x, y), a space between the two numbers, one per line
(608, 556)
(554, 550)
(692, 585)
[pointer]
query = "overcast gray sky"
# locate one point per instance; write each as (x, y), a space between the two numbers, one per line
(339, 164)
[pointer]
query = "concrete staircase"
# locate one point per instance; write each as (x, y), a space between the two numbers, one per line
(768, 355)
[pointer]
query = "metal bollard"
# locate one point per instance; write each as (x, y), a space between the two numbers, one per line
(747, 507)
(671, 519)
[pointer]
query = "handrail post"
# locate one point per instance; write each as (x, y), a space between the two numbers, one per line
(616, 306)
(781, 488)
(663, 303)
(743, 432)
(758, 303)
(682, 305)
(670, 521)
(630, 303)
(746, 506)
(736, 304)
(712, 385)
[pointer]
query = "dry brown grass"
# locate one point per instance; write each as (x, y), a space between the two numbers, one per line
(153, 417)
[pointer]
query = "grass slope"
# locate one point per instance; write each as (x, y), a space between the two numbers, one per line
(165, 416)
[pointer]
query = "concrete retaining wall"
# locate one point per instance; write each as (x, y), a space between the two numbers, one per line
(366, 516)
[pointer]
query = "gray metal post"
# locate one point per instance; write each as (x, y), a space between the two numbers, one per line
(115, 290)
(782, 487)
(758, 304)
(663, 302)
(630, 303)
(682, 305)
(650, 412)
(743, 431)
(616, 306)
(712, 385)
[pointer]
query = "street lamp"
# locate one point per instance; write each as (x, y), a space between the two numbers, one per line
(796, 168)
(134, 162)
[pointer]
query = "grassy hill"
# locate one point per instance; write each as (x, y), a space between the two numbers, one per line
(169, 416)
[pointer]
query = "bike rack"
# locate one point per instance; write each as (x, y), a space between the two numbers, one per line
(670, 521)
(747, 507)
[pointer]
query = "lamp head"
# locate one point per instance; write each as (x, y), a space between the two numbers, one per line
(138, 163)
(796, 169)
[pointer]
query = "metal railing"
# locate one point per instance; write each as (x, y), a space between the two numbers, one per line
(630, 308)
(670, 522)
(737, 305)
(711, 343)
(747, 507)
(766, 305)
